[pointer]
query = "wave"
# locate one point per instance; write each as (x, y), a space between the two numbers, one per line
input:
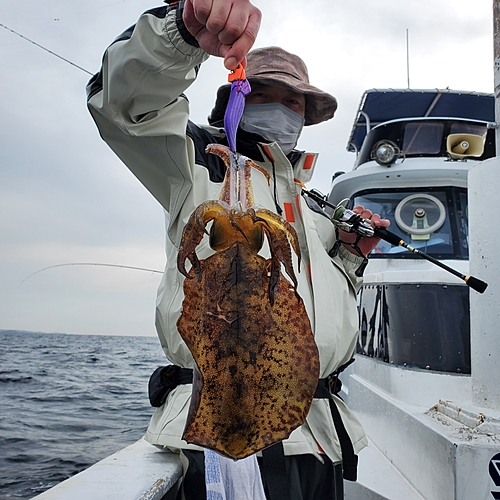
(69, 401)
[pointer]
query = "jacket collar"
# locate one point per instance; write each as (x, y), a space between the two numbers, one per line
(255, 147)
(302, 163)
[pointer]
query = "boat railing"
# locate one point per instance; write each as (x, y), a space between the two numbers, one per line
(138, 472)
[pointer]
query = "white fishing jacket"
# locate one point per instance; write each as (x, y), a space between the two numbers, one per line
(138, 104)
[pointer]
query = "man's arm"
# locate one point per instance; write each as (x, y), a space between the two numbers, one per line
(137, 102)
(137, 98)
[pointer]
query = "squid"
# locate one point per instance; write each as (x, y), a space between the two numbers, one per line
(256, 362)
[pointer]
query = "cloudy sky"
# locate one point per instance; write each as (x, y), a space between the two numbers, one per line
(65, 198)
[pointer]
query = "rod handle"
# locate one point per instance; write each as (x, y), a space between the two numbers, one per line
(386, 235)
(472, 282)
(476, 284)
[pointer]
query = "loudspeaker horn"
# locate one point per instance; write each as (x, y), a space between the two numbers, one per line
(464, 145)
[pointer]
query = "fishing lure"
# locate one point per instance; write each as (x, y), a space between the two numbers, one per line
(236, 104)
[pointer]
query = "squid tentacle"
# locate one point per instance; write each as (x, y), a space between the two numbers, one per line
(279, 224)
(280, 254)
(193, 233)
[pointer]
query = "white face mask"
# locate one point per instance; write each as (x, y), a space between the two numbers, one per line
(274, 122)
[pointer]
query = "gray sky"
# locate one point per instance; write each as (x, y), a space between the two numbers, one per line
(65, 197)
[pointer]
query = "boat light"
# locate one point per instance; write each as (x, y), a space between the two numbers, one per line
(385, 153)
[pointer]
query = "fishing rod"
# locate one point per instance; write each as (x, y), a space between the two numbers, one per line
(349, 221)
(46, 49)
(92, 264)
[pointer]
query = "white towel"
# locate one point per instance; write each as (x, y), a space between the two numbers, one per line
(228, 479)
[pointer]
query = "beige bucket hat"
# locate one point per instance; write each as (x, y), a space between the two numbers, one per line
(275, 66)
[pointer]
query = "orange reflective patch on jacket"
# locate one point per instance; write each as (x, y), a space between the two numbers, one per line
(267, 152)
(309, 162)
(289, 215)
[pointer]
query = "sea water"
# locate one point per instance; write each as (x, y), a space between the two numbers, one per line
(68, 401)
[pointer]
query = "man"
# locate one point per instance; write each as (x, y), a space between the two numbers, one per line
(138, 103)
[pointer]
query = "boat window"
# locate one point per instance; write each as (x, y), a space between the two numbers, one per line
(463, 221)
(469, 128)
(417, 325)
(432, 220)
(422, 138)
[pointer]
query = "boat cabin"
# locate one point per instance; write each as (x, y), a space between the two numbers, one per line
(413, 153)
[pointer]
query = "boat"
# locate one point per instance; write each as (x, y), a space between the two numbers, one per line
(413, 384)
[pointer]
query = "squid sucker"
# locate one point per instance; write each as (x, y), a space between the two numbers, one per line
(256, 361)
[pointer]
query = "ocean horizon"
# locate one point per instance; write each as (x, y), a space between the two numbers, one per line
(68, 401)
(13, 330)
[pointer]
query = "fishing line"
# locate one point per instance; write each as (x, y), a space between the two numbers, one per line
(47, 50)
(91, 264)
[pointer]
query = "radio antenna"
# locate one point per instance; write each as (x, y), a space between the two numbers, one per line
(408, 56)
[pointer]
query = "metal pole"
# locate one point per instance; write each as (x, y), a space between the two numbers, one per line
(496, 55)
(483, 189)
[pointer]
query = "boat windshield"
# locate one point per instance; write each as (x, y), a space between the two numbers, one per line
(422, 138)
(425, 137)
(433, 220)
